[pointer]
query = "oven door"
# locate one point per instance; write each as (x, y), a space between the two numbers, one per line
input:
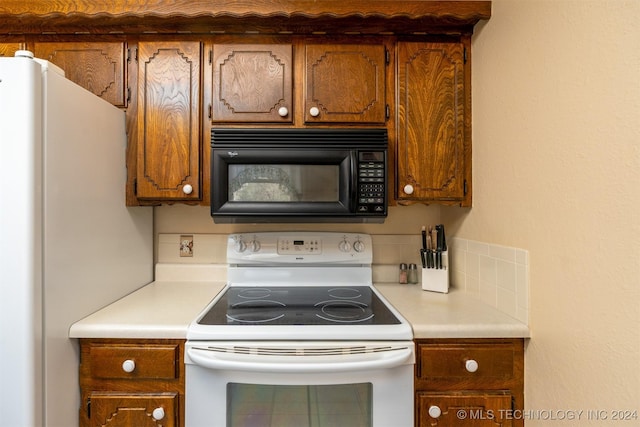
(302, 384)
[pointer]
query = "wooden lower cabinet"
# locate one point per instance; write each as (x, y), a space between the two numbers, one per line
(463, 409)
(469, 382)
(132, 383)
(141, 410)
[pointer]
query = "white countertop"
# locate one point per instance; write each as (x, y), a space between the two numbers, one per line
(452, 315)
(164, 309)
(158, 310)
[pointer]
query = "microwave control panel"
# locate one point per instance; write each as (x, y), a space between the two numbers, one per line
(371, 182)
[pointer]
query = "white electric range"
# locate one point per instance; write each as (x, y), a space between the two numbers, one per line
(299, 337)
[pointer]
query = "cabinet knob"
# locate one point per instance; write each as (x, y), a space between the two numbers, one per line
(158, 414)
(408, 189)
(434, 411)
(471, 365)
(128, 365)
(187, 189)
(283, 111)
(314, 111)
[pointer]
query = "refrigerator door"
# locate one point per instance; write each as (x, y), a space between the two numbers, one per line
(21, 381)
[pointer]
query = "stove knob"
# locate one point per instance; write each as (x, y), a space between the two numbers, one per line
(344, 246)
(240, 246)
(254, 245)
(358, 246)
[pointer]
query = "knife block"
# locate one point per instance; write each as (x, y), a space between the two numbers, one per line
(437, 280)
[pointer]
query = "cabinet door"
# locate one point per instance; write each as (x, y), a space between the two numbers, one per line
(168, 120)
(463, 410)
(8, 49)
(131, 410)
(432, 154)
(252, 83)
(96, 66)
(345, 83)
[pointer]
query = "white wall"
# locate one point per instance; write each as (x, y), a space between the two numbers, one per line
(556, 137)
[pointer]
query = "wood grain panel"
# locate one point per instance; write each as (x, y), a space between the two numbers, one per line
(345, 82)
(168, 120)
(431, 114)
(96, 66)
(251, 83)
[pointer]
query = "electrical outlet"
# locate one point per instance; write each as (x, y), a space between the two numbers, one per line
(186, 245)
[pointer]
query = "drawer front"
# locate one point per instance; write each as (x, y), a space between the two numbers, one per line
(464, 409)
(153, 410)
(466, 362)
(134, 362)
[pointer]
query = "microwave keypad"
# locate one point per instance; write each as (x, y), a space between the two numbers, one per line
(371, 187)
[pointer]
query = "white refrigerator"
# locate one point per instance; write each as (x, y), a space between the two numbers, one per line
(68, 243)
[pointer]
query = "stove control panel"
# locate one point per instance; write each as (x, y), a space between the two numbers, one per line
(299, 247)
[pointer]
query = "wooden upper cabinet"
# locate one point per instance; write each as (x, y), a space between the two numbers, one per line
(168, 120)
(252, 83)
(96, 66)
(345, 83)
(434, 149)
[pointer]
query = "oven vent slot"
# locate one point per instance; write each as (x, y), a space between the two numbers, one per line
(318, 351)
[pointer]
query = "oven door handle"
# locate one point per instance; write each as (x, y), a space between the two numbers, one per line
(301, 364)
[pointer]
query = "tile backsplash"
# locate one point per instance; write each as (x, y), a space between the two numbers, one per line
(497, 275)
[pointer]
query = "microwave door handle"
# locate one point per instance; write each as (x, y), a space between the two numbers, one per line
(355, 176)
(301, 364)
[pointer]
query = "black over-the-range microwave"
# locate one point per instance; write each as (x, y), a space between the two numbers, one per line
(298, 175)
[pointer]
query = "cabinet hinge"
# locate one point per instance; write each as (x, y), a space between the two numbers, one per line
(135, 187)
(88, 408)
(210, 112)
(387, 56)
(387, 111)
(465, 187)
(210, 56)
(129, 54)
(464, 54)
(128, 94)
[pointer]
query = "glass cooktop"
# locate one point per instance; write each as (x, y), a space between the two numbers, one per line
(298, 305)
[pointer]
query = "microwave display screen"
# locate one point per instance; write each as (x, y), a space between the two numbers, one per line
(283, 183)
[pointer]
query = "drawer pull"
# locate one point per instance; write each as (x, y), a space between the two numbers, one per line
(128, 365)
(158, 414)
(434, 411)
(471, 365)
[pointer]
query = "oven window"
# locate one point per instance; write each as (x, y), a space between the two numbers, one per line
(258, 405)
(283, 183)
